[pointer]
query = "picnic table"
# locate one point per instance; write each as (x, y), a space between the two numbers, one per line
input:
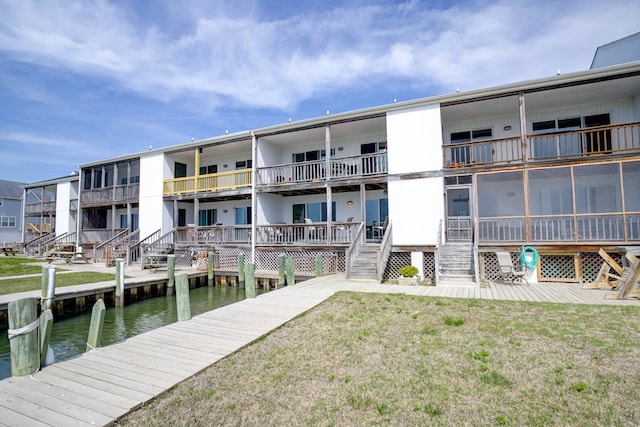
(9, 251)
(67, 256)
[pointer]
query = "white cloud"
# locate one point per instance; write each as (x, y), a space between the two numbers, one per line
(210, 54)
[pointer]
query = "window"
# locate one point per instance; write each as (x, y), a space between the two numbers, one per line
(207, 217)
(7, 221)
(597, 141)
(316, 212)
(243, 164)
(179, 170)
(560, 143)
(206, 170)
(310, 156)
(463, 155)
(134, 222)
(373, 147)
(631, 178)
(1, 202)
(86, 179)
(377, 210)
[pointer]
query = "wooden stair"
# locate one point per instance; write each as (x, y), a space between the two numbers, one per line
(456, 264)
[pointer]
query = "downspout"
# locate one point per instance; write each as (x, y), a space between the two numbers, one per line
(254, 213)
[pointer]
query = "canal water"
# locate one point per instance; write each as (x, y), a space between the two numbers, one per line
(69, 336)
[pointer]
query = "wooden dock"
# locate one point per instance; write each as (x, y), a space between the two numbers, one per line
(99, 387)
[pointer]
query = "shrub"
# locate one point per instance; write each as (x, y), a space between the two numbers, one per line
(408, 271)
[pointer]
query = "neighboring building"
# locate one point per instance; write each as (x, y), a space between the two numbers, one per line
(50, 213)
(10, 212)
(618, 52)
(551, 163)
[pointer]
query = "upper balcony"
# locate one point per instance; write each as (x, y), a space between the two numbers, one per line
(43, 208)
(580, 144)
(108, 195)
(355, 167)
(213, 182)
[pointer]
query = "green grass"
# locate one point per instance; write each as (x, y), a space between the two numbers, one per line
(366, 359)
(23, 284)
(16, 266)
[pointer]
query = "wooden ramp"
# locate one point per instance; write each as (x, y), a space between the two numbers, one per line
(99, 387)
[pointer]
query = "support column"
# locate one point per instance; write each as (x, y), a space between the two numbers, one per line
(329, 212)
(523, 127)
(197, 166)
(363, 207)
(175, 213)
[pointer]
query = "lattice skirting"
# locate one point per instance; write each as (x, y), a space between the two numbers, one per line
(580, 267)
(303, 261)
(400, 259)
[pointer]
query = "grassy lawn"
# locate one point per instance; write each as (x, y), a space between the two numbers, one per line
(10, 286)
(368, 359)
(15, 266)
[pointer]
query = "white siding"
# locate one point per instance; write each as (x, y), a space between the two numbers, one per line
(63, 215)
(414, 139)
(151, 205)
(416, 208)
(621, 111)
(496, 124)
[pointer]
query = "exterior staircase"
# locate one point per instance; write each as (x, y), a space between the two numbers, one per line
(365, 263)
(456, 266)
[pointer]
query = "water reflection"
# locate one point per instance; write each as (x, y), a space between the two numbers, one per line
(69, 336)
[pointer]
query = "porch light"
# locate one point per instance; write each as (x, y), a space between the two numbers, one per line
(350, 202)
(340, 148)
(507, 127)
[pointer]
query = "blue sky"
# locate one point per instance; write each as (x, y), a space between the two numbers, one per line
(90, 80)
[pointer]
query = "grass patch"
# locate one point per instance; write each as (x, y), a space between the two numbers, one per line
(16, 266)
(513, 363)
(23, 284)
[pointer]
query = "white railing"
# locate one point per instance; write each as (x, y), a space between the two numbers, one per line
(353, 249)
(384, 251)
(342, 168)
(214, 234)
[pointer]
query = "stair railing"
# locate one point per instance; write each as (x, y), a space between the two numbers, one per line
(34, 246)
(98, 250)
(476, 269)
(353, 250)
(134, 252)
(436, 258)
(384, 251)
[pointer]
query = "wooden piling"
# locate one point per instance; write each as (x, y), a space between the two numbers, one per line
(119, 283)
(171, 272)
(210, 269)
(241, 278)
(46, 324)
(182, 297)
(23, 337)
(318, 265)
(95, 328)
(290, 272)
(44, 280)
(250, 283)
(281, 263)
(51, 287)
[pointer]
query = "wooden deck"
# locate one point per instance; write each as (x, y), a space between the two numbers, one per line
(100, 386)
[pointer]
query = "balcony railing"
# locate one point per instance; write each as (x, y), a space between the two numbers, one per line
(214, 234)
(119, 193)
(620, 138)
(317, 233)
(583, 228)
(40, 208)
(343, 168)
(211, 182)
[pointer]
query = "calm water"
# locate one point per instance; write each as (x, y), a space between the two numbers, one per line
(69, 337)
